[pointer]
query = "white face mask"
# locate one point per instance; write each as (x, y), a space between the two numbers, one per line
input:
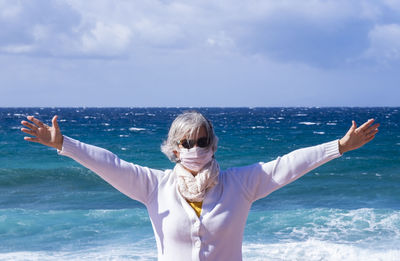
(195, 158)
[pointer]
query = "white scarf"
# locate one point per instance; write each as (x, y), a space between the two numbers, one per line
(193, 188)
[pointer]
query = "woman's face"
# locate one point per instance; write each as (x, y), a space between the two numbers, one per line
(202, 134)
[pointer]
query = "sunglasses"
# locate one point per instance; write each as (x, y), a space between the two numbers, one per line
(200, 142)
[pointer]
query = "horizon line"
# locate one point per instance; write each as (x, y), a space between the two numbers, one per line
(184, 107)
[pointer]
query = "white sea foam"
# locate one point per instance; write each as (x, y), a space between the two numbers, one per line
(19, 115)
(331, 123)
(300, 114)
(309, 250)
(317, 250)
(139, 251)
(308, 123)
(136, 129)
(319, 132)
(374, 228)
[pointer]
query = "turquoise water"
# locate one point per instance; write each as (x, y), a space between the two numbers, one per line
(51, 208)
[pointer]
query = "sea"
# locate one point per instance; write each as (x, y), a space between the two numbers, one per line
(52, 208)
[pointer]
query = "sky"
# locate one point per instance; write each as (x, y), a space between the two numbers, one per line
(173, 53)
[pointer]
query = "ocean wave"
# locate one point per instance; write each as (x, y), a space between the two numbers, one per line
(300, 114)
(361, 226)
(20, 115)
(144, 250)
(136, 129)
(309, 123)
(317, 250)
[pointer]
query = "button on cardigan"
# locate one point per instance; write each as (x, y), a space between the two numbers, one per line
(218, 232)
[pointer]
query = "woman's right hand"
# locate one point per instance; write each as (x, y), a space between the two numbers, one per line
(42, 133)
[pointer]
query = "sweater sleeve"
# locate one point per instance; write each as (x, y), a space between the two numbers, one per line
(259, 180)
(135, 181)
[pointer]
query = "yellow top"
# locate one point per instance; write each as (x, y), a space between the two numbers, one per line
(196, 206)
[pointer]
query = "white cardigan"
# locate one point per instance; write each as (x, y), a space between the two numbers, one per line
(217, 234)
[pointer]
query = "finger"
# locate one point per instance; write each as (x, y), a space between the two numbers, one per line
(375, 126)
(29, 125)
(372, 128)
(55, 123)
(370, 138)
(353, 126)
(31, 132)
(32, 139)
(372, 133)
(36, 121)
(365, 125)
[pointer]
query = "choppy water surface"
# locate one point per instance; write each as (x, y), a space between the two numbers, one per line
(51, 208)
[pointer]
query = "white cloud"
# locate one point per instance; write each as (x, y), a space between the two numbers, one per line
(384, 43)
(9, 10)
(309, 31)
(106, 39)
(394, 4)
(220, 40)
(17, 49)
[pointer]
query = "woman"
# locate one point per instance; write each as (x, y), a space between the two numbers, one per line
(197, 211)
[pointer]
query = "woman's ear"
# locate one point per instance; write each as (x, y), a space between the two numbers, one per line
(176, 154)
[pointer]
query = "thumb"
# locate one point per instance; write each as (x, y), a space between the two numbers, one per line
(55, 123)
(353, 126)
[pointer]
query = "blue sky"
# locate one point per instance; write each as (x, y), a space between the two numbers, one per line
(200, 53)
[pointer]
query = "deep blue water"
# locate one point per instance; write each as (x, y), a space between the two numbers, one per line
(348, 209)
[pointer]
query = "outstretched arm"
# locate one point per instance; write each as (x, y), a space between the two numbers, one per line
(259, 180)
(135, 181)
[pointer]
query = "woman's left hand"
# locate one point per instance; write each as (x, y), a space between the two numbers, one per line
(357, 137)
